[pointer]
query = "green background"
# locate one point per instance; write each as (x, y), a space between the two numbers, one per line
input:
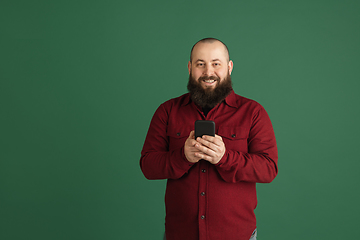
(80, 81)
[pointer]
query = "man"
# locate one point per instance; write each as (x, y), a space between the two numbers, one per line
(211, 186)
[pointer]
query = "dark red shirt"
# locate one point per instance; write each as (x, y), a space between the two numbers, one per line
(205, 201)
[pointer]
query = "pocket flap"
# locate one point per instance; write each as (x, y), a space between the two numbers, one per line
(233, 132)
(179, 132)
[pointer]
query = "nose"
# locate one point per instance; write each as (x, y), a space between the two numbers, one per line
(209, 71)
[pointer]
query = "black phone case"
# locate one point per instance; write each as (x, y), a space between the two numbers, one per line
(204, 127)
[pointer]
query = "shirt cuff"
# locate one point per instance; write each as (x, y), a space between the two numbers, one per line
(182, 162)
(223, 159)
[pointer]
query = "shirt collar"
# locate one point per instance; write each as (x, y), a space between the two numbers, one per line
(187, 100)
(231, 99)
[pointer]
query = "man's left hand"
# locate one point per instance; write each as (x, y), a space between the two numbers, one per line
(212, 148)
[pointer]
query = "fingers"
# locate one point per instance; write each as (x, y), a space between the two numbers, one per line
(203, 156)
(190, 150)
(212, 148)
(191, 139)
(210, 141)
(208, 148)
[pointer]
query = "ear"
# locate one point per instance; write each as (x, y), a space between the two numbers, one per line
(189, 66)
(231, 65)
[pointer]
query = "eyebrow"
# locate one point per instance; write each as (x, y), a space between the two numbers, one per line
(214, 60)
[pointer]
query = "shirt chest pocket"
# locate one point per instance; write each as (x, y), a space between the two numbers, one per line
(177, 137)
(235, 138)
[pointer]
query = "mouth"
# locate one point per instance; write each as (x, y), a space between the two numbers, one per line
(209, 82)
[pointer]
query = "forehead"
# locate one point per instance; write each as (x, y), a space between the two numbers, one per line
(210, 51)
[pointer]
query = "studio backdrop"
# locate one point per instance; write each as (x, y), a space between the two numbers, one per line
(80, 81)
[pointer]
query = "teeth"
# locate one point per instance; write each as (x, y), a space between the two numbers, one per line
(209, 81)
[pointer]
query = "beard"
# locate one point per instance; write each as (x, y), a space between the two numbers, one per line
(209, 97)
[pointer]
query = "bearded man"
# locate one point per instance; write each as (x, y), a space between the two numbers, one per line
(211, 181)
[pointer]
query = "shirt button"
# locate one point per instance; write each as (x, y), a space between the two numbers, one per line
(202, 216)
(203, 170)
(234, 135)
(178, 134)
(203, 193)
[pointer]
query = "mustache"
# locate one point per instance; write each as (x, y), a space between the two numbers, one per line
(209, 77)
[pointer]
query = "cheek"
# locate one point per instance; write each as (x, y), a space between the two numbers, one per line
(196, 74)
(223, 73)
(198, 71)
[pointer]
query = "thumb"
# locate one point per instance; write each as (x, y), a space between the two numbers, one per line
(192, 134)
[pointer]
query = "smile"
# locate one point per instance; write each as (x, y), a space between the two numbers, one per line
(209, 81)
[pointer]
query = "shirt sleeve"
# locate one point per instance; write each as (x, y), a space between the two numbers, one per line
(259, 164)
(156, 161)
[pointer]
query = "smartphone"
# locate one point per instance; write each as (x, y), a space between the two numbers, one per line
(204, 127)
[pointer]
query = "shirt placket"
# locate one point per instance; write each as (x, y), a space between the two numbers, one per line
(203, 199)
(203, 183)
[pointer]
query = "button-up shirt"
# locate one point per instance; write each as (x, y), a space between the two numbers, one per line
(205, 201)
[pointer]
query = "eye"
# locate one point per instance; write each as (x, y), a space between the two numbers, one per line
(200, 64)
(216, 64)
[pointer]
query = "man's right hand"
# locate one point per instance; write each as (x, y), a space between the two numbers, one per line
(190, 150)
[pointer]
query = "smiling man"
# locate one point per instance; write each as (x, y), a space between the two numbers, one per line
(209, 73)
(211, 181)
